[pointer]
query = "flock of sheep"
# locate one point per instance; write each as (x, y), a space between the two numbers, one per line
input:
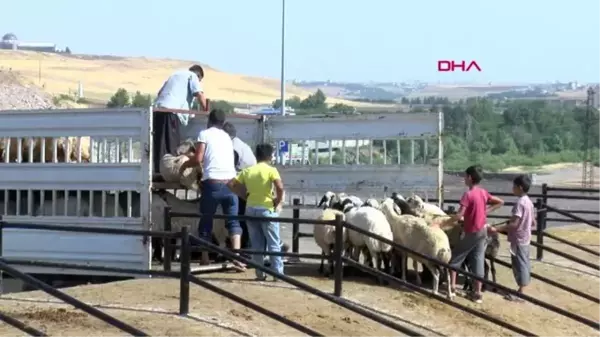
(60, 149)
(409, 222)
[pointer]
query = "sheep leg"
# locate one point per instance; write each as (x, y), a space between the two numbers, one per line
(376, 261)
(493, 271)
(404, 262)
(321, 267)
(416, 268)
(486, 271)
(435, 272)
(449, 291)
(468, 283)
(330, 259)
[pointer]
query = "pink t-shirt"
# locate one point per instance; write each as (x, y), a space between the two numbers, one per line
(474, 203)
(519, 232)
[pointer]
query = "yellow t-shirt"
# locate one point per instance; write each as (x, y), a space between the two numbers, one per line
(258, 180)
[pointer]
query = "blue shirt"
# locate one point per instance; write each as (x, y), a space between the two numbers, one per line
(178, 93)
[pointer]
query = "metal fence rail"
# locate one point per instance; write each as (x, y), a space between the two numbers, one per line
(32, 281)
(184, 274)
(15, 323)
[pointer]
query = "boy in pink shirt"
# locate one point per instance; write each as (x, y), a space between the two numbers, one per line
(519, 233)
(473, 211)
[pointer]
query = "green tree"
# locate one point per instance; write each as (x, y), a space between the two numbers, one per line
(293, 102)
(120, 99)
(342, 108)
(141, 101)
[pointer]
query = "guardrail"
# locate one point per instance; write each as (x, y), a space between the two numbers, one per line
(186, 277)
(338, 271)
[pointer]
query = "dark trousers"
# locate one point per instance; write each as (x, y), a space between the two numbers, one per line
(242, 211)
(165, 136)
(215, 194)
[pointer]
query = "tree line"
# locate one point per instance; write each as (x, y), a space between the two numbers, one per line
(476, 130)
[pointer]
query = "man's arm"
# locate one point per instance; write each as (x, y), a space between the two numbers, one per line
(278, 189)
(494, 203)
(236, 185)
(196, 90)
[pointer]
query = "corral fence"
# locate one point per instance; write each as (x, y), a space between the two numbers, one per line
(186, 277)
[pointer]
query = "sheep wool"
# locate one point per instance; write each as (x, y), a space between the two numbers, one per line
(371, 220)
(414, 233)
(169, 169)
(324, 235)
(421, 207)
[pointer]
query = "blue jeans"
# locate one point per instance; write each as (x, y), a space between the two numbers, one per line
(264, 234)
(213, 195)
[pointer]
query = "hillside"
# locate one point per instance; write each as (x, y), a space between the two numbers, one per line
(101, 76)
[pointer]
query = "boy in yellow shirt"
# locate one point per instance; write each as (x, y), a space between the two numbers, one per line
(255, 183)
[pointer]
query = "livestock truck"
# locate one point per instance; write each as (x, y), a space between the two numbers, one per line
(107, 179)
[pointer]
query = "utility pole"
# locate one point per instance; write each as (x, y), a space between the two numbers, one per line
(587, 170)
(283, 57)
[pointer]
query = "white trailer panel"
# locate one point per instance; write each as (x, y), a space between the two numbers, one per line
(77, 193)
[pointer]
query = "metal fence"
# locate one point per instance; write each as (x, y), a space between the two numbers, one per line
(185, 276)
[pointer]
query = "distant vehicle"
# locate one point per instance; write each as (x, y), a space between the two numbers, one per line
(272, 111)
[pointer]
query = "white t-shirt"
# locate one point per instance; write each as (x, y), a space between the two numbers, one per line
(218, 156)
(247, 157)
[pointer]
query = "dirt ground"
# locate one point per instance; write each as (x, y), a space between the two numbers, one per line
(156, 311)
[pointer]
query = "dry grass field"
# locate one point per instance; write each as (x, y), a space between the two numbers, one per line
(101, 76)
(151, 305)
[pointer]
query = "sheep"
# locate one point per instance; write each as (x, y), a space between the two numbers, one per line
(414, 233)
(324, 236)
(62, 145)
(328, 200)
(373, 221)
(491, 251)
(371, 203)
(405, 207)
(170, 170)
(419, 206)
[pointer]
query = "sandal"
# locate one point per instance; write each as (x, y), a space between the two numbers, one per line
(239, 267)
(510, 297)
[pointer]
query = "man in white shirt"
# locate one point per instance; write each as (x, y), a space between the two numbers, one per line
(244, 157)
(214, 152)
(178, 93)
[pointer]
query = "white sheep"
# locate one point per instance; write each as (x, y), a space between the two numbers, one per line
(371, 203)
(170, 170)
(373, 221)
(419, 206)
(324, 236)
(414, 233)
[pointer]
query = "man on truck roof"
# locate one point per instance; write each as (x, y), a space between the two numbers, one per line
(178, 92)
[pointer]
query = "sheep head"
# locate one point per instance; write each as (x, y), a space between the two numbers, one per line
(388, 206)
(416, 203)
(371, 203)
(188, 147)
(347, 205)
(397, 196)
(328, 199)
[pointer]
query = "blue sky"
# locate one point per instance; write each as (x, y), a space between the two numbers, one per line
(344, 40)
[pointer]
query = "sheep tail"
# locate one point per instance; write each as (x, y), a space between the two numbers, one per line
(444, 255)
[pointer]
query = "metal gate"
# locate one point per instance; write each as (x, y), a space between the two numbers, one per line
(366, 155)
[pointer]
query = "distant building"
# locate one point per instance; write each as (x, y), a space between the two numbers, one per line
(10, 41)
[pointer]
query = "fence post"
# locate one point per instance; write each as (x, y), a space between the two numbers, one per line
(544, 194)
(541, 225)
(184, 275)
(337, 255)
(296, 227)
(167, 246)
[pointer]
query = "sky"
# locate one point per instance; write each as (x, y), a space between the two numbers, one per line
(513, 41)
